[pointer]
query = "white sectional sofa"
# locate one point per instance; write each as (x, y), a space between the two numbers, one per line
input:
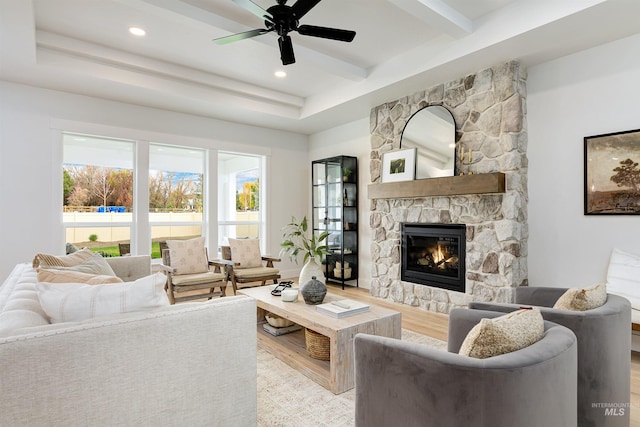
(190, 364)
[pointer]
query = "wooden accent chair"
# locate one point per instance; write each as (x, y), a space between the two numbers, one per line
(245, 264)
(188, 269)
(124, 249)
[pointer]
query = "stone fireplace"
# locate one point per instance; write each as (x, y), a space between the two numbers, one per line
(489, 108)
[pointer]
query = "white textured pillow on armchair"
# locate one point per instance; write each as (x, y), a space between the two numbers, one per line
(74, 302)
(246, 253)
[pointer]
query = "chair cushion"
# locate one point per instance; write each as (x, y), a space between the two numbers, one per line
(249, 273)
(623, 276)
(73, 302)
(188, 256)
(504, 334)
(70, 260)
(52, 275)
(245, 253)
(197, 279)
(577, 299)
(94, 265)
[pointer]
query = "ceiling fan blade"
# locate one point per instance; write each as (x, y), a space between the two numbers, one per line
(286, 50)
(240, 36)
(327, 33)
(302, 7)
(255, 9)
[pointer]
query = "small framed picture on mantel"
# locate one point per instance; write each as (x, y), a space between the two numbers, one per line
(399, 165)
(612, 174)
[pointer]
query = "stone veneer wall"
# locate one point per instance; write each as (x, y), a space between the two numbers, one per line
(489, 108)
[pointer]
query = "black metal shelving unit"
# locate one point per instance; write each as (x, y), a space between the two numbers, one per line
(335, 209)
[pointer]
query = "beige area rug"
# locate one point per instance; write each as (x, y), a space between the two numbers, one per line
(286, 398)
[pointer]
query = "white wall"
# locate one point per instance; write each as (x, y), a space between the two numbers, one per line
(351, 139)
(588, 93)
(30, 163)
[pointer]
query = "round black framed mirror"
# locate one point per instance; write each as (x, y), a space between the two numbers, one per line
(432, 130)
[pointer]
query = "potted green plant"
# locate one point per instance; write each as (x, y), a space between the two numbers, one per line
(296, 241)
(346, 173)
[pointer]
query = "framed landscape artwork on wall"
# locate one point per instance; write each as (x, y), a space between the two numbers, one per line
(612, 174)
(399, 165)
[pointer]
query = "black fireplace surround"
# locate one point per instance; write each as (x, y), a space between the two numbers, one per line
(434, 255)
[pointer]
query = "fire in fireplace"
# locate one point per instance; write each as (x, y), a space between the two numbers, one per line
(434, 255)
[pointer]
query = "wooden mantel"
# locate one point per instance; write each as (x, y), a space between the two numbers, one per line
(445, 186)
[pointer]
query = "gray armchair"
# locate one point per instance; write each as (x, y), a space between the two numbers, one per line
(407, 384)
(604, 351)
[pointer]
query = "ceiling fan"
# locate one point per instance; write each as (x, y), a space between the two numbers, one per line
(283, 19)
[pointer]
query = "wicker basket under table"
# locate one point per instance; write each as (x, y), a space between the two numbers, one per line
(318, 346)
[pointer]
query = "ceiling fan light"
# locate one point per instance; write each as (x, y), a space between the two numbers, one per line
(137, 31)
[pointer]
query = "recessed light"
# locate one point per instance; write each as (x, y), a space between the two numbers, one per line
(280, 74)
(136, 31)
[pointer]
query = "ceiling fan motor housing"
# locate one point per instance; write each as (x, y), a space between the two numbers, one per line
(284, 19)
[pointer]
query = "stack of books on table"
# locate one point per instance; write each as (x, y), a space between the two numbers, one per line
(280, 331)
(342, 308)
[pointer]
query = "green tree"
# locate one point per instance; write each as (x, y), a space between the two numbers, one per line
(249, 198)
(627, 175)
(67, 186)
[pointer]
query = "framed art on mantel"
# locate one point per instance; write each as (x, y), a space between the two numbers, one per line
(612, 174)
(399, 165)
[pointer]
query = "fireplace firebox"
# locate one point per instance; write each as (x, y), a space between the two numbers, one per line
(434, 255)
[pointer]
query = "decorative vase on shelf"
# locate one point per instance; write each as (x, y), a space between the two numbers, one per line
(309, 269)
(313, 291)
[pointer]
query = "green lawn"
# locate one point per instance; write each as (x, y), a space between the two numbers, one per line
(111, 251)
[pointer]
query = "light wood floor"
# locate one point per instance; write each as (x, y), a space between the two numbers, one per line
(435, 325)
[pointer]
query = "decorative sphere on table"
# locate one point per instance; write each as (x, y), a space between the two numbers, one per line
(313, 291)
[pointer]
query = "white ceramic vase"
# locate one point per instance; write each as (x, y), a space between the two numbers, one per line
(311, 268)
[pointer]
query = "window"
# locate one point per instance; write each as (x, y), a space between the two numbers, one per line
(240, 199)
(126, 196)
(176, 201)
(98, 192)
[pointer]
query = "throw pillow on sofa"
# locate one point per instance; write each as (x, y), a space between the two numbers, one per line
(95, 264)
(52, 275)
(576, 299)
(73, 302)
(62, 261)
(504, 334)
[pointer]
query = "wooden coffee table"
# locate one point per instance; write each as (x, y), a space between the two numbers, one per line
(337, 374)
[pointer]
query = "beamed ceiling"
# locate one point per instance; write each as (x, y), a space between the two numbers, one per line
(401, 46)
